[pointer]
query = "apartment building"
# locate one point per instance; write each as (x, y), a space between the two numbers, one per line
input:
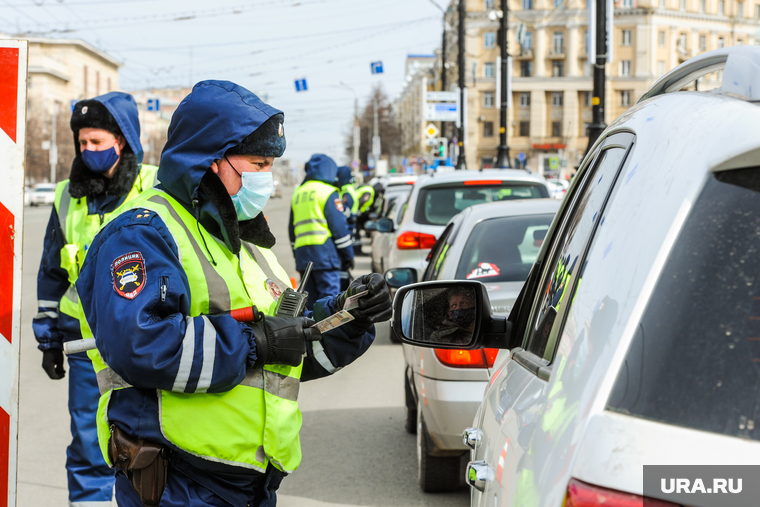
(552, 79)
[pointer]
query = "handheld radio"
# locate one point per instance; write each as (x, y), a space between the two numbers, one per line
(293, 302)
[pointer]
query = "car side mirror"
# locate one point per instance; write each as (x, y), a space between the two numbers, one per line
(400, 277)
(448, 315)
(384, 225)
(370, 225)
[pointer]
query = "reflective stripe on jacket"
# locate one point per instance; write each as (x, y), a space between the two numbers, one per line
(79, 227)
(257, 421)
(309, 220)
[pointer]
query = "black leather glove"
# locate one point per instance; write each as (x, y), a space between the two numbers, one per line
(374, 307)
(282, 340)
(52, 363)
(347, 265)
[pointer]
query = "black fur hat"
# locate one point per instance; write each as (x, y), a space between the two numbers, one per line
(92, 114)
(267, 141)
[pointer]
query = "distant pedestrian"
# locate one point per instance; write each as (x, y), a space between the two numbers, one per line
(319, 230)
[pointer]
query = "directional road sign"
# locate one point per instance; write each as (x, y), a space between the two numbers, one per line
(376, 67)
(301, 85)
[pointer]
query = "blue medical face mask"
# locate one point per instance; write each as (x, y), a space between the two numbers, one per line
(253, 195)
(463, 317)
(100, 161)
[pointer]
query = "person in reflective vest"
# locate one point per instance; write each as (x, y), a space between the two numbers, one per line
(318, 229)
(347, 192)
(105, 174)
(198, 408)
(369, 195)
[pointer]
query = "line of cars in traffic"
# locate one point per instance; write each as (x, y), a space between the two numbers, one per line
(565, 344)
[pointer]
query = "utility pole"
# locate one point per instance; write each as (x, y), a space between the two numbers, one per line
(597, 100)
(461, 161)
(502, 157)
(376, 138)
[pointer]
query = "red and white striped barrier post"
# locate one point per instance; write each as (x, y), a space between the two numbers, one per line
(13, 75)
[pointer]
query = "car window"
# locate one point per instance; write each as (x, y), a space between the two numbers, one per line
(436, 205)
(439, 253)
(695, 358)
(554, 291)
(503, 249)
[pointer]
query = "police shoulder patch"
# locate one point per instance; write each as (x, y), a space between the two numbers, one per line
(339, 205)
(128, 273)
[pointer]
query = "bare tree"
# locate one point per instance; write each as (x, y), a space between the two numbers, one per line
(390, 135)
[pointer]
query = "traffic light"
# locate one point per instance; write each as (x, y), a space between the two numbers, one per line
(441, 148)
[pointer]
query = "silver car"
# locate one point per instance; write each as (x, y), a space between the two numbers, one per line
(636, 338)
(437, 197)
(497, 244)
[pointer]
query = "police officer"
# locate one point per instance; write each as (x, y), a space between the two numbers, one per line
(105, 174)
(318, 229)
(348, 192)
(198, 408)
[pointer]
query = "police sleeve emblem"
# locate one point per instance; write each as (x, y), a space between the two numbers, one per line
(128, 272)
(339, 205)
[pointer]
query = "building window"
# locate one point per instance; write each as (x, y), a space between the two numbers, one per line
(489, 4)
(757, 12)
(588, 69)
(722, 7)
(526, 68)
(702, 6)
(524, 129)
(558, 68)
(625, 97)
(487, 129)
(661, 39)
(627, 37)
(557, 99)
(488, 99)
(489, 40)
(740, 9)
(85, 82)
(524, 99)
(527, 42)
(663, 4)
(97, 82)
(587, 41)
(556, 129)
(627, 4)
(703, 42)
(625, 67)
(558, 3)
(488, 69)
(683, 5)
(527, 5)
(586, 99)
(721, 42)
(739, 42)
(109, 85)
(660, 67)
(558, 42)
(681, 46)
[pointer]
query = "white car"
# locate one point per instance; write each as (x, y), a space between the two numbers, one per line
(635, 340)
(437, 197)
(497, 244)
(394, 203)
(558, 188)
(42, 193)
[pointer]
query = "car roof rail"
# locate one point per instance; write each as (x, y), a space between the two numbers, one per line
(740, 65)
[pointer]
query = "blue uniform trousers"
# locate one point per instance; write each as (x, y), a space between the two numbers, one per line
(182, 491)
(90, 480)
(321, 283)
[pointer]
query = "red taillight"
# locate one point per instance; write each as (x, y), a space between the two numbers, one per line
(415, 241)
(410, 183)
(581, 494)
(459, 358)
(483, 182)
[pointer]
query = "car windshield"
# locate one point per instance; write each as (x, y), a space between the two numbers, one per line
(695, 358)
(503, 249)
(44, 189)
(438, 204)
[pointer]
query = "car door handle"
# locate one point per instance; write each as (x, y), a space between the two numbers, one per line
(479, 474)
(472, 437)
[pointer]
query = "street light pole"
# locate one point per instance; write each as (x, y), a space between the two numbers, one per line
(502, 157)
(597, 100)
(461, 161)
(357, 129)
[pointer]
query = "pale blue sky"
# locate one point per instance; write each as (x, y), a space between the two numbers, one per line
(263, 45)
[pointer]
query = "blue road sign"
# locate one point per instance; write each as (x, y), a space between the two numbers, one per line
(301, 85)
(377, 67)
(521, 156)
(154, 105)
